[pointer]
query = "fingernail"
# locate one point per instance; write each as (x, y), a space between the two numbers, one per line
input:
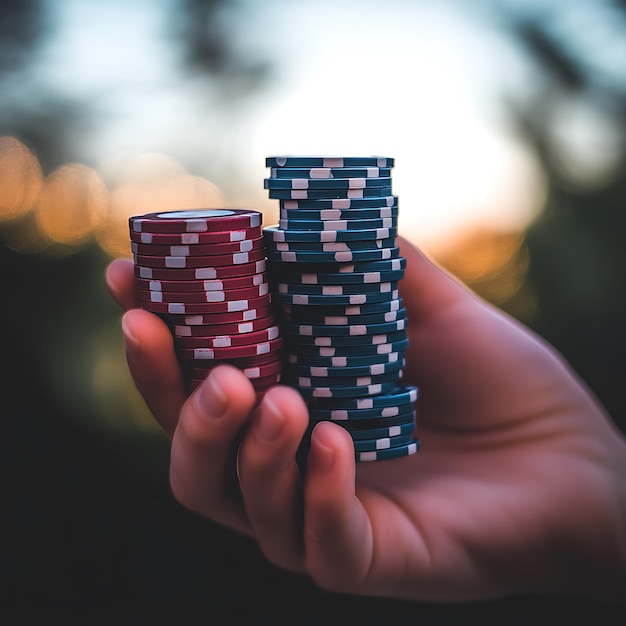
(270, 422)
(322, 456)
(212, 396)
(132, 342)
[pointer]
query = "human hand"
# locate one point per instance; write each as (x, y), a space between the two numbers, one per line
(518, 486)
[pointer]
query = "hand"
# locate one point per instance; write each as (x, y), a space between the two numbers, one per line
(519, 485)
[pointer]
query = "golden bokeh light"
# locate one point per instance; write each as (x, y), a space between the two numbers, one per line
(493, 263)
(73, 202)
(152, 183)
(20, 179)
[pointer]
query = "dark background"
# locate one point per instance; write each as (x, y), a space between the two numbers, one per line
(90, 531)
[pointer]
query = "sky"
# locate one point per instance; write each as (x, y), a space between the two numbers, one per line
(420, 82)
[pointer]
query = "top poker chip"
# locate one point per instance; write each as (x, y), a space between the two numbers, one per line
(195, 221)
(328, 161)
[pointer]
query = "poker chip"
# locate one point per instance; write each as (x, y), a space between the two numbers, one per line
(366, 416)
(234, 317)
(374, 369)
(326, 183)
(330, 172)
(344, 361)
(358, 298)
(354, 392)
(358, 421)
(328, 161)
(226, 284)
(198, 354)
(339, 203)
(312, 240)
(353, 238)
(187, 262)
(384, 443)
(329, 194)
(240, 362)
(183, 308)
(262, 370)
(209, 272)
(398, 395)
(311, 256)
(227, 341)
(198, 249)
(357, 226)
(298, 312)
(235, 328)
(176, 239)
(189, 297)
(304, 382)
(391, 433)
(358, 349)
(352, 330)
(391, 453)
(365, 278)
(196, 221)
(334, 290)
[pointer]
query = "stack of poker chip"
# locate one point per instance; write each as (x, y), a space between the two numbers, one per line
(204, 273)
(334, 268)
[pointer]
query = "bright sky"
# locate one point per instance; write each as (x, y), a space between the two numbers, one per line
(410, 80)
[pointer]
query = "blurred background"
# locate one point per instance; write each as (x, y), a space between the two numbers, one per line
(507, 120)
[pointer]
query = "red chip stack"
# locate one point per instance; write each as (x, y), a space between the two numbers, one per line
(203, 272)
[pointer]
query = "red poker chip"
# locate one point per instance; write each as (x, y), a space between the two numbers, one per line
(208, 272)
(227, 341)
(204, 308)
(178, 239)
(200, 319)
(201, 354)
(211, 330)
(195, 221)
(189, 262)
(211, 249)
(226, 284)
(188, 297)
(239, 362)
(253, 371)
(259, 384)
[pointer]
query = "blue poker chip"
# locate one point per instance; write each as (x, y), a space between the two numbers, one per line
(326, 183)
(351, 224)
(393, 336)
(383, 443)
(290, 275)
(296, 312)
(345, 256)
(328, 246)
(347, 362)
(362, 267)
(322, 216)
(341, 381)
(358, 330)
(334, 290)
(346, 393)
(327, 321)
(399, 412)
(276, 234)
(401, 394)
(324, 300)
(329, 161)
(375, 369)
(401, 430)
(360, 350)
(358, 423)
(391, 453)
(329, 194)
(318, 204)
(330, 172)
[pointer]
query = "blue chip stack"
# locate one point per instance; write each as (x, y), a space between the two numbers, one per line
(334, 268)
